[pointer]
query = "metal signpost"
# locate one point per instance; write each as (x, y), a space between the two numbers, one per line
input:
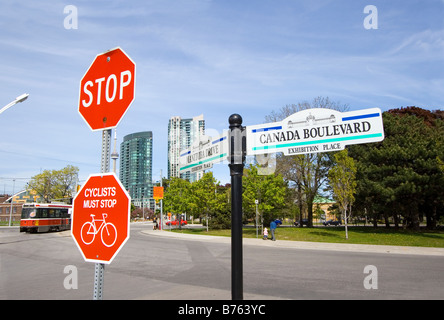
(237, 159)
(107, 89)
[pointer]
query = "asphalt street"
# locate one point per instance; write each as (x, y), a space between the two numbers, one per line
(162, 265)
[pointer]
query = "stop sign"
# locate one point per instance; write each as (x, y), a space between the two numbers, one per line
(107, 89)
(101, 218)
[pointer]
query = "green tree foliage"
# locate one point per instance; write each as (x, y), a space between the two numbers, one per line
(401, 177)
(177, 195)
(55, 184)
(269, 190)
(220, 217)
(203, 195)
(203, 199)
(342, 180)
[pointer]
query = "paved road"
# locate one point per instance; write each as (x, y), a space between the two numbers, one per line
(162, 265)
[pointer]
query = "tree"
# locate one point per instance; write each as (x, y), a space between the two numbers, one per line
(343, 183)
(55, 184)
(220, 216)
(307, 173)
(177, 195)
(203, 195)
(401, 176)
(269, 190)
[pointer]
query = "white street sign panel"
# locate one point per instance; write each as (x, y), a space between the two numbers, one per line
(316, 130)
(204, 153)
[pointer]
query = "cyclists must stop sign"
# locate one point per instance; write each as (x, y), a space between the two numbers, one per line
(101, 218)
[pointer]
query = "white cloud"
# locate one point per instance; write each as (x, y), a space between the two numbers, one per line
(427, 44)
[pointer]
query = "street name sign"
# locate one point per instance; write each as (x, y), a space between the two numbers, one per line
(203, 153)
(101, 218)
(107, 89)
(315, 130)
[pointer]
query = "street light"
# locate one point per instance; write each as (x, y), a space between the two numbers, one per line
(20, 98)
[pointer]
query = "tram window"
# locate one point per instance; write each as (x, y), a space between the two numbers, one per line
(28, 213)
(51, 213)
(43, 213)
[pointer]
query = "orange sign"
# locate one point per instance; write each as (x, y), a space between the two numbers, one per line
(101, 218)
(158, 193)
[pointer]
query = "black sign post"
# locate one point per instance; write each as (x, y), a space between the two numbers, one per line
(237, 145)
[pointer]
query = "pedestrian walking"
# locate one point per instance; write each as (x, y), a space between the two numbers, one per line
(273, 228)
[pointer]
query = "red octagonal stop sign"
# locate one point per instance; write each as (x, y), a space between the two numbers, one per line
(101, 218)
(107, 89)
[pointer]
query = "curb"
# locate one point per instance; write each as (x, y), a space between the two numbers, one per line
(305, 245)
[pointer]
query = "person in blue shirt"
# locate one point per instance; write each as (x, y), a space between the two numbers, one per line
(273, 228)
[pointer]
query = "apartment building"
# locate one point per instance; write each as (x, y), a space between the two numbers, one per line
(181, 134)
(136, 167)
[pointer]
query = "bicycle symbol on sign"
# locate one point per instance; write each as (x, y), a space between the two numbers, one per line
(89, 231)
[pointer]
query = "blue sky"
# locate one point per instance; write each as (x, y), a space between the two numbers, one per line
(211, 57)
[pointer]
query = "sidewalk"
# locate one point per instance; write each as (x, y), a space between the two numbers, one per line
(304, 244)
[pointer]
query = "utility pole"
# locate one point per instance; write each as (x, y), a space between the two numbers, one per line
(12, 200)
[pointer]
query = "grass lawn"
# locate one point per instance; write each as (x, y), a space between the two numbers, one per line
(356, 235)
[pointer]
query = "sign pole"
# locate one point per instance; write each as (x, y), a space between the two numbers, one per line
(237, 158)
(106, 149)
(99, 268)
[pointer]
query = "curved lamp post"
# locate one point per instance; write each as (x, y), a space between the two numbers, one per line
(20, 98)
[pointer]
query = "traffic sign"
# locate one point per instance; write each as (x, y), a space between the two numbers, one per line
(204, 153)
(316, 130)
(107, 89)
(101, 218)
(157, 193)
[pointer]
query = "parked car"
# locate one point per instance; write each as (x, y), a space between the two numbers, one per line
(298, 223)
(331, 223)
(176, 222)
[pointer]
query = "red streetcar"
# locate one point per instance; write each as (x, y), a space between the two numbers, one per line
(44, 217)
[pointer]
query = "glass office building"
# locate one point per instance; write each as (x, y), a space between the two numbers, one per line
(136, 166)
(181, 134)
